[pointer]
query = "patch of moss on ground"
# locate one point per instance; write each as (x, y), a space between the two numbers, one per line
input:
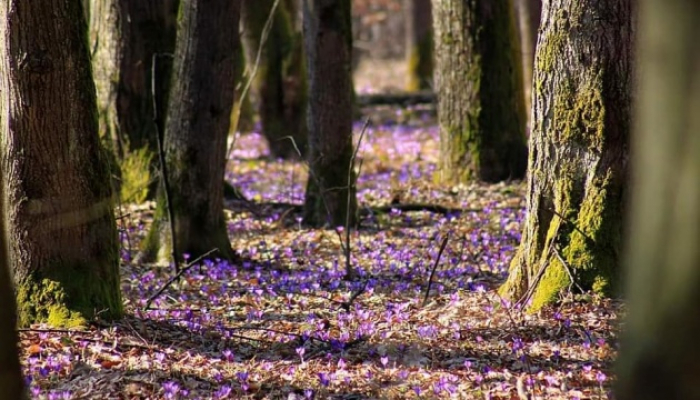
(136, 176)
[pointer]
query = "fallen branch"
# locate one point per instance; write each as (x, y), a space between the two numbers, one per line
(402, 99)
(177, 276)
(409, 207)
(437, 261)
(346, 305)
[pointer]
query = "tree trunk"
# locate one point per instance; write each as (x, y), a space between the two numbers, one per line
(480, 107)
(11, 380)
(330, 191)
(578, 152)
(659, 357)
(124, 35)
(197, 125)
(242, 117)
(280, 82)
(65, 255)
(419, 44)
(528, 12)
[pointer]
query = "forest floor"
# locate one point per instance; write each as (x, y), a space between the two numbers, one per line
(285, 325)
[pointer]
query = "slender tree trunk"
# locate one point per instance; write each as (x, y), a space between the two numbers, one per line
(124, 35)
(242, 116)
(295, 14)
(58, 199)
(419, 44)
(528, 12)
(197, 125)
(280, 82)
(659, 358)
(480, 107)
(11, 380)
(328, 42)
(578, 152)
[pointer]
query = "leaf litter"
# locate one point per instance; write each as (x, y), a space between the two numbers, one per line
(285, 324)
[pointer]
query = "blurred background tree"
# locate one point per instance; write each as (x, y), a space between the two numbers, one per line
(659, 357)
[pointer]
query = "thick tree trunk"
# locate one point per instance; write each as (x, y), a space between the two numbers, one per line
(64, 253)
(528, 12)
(11, 380)
(480, 105)
(578, 152)
(659, 357)
(330, 192)
(197, 125)
(280, 83)
(419, 44)
(124, 35)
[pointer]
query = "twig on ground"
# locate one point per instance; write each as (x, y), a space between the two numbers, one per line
(346, 305)
(432, 272)
(110, 342)
(177, 276)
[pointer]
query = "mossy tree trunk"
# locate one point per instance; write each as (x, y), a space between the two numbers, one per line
(480, 104)
(659, 357)
(330, 191)
(124, 36)
(280, 83)
(419, 44)
(528, 16)
(197, 125)
(58, 197)
(578, 152)
(11, 380)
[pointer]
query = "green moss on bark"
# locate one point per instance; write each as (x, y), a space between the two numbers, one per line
(482, 117)
(578, 164)
(68, 298)
(190, 239)
(555, 279)
(157, 245)
(593, 249)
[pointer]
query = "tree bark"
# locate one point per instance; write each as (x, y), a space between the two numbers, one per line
(330, 192)
(578, 152)
(659, 356)
(480, 106)
(280, 82)
(197, 125)
(11, 380)
(528, 16)
(58, 199)
(242, 116)
(419, 44)
(125, 34)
